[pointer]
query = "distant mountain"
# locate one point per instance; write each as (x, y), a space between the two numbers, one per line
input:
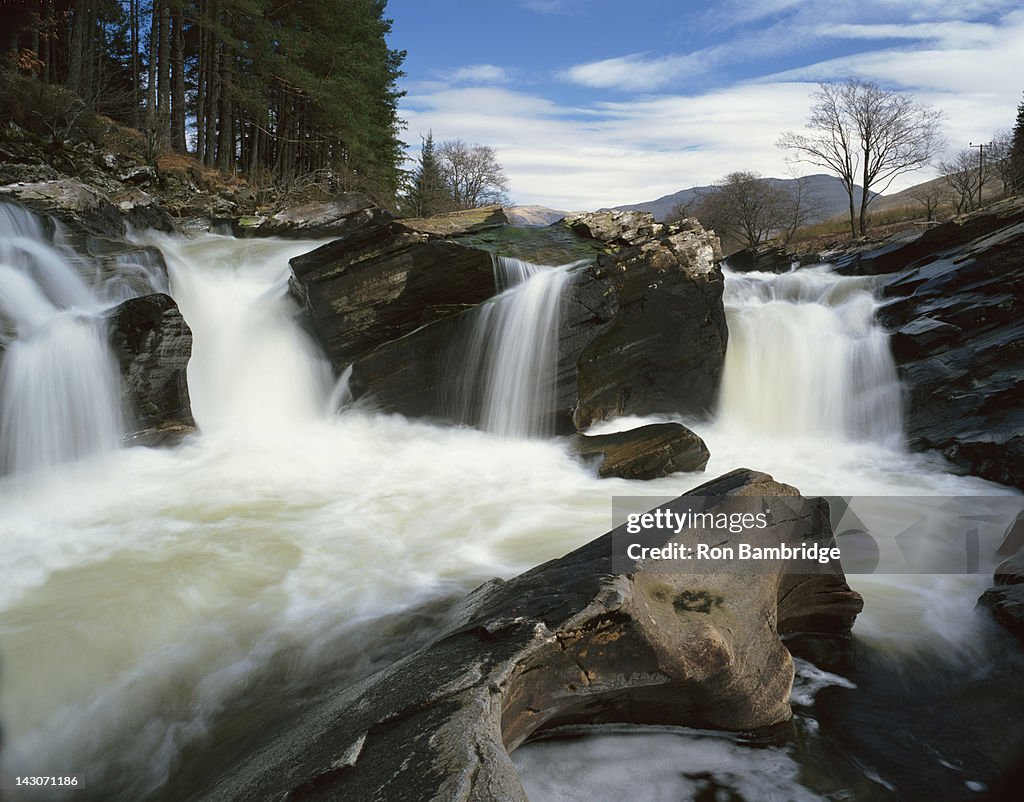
(533, 215)
(827, 188)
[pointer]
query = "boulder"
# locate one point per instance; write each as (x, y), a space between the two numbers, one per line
(957, 317)
(153, 343)
(456, 224)
(649, 324)
(577, 640)
(1005, 599)
(335, 218)
(765, 258)
(382, 282)
(642, 327)
(647, 452)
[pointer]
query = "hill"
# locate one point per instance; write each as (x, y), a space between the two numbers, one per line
(827, 188)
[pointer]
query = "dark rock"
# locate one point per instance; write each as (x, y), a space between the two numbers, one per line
(911, 248)
(766, 258)
(335, 218)
(642, 328)
(958, 322)
(647, 452)
(384, 281)
(153, 344)
(650, 326)
(1013, 538)
(1005, 600)
(572, 641)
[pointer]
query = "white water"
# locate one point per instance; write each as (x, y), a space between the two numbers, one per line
(509, 368)
(59, 384)
(147, 594)
(806, 359)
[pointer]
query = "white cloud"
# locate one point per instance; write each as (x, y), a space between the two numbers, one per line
(608, 153)
(634, 72)
(479, 74)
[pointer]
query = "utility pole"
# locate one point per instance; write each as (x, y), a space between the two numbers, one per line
(981, 166)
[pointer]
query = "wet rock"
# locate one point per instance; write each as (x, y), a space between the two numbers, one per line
(642, 328)
(958, 320)
(153, 344)
(1005, 599)
(1013, 538)
(647, 452)
(576, 640)
(384, 281)
(335, 218)
(766, 258)
(650, 327)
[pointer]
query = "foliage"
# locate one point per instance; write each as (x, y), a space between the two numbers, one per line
(1016, 168)
(296, 93)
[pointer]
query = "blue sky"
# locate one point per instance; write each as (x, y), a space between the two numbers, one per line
(594, 103)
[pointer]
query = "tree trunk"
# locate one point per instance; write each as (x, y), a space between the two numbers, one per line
(164, 73)
(178, 143)
(154, 36)
(78, 33)
(225, 138)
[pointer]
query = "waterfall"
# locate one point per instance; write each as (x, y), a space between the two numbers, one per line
(807, 359)
(60, 395)
(506, 381)
(253, 367)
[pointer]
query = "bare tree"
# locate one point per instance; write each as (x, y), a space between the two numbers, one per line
(744, 208)
(860, 131)
(472, 174)
(1000, 159)
(962, 175)
(930, 196)
(800, 207)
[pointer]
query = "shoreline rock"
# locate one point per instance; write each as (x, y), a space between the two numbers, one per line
(570, 641)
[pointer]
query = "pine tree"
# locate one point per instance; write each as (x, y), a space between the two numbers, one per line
(427, 195)
(1017, 151)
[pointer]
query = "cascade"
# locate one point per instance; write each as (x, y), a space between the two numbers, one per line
(59, 383)
(506, 381)
(807, 359)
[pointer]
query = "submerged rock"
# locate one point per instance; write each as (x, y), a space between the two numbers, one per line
(957, 314)
(153, 344)
(647, 452)
(576, 640)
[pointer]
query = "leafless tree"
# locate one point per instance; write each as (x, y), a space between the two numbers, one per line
(962, 175)
(744, 208)
(862, 132)
(472, 174)
(1000, 159)
(930, 196)
(800, 207)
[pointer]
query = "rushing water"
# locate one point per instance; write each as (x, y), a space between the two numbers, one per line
(163, 610)
(505, 373)
(60, 392)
